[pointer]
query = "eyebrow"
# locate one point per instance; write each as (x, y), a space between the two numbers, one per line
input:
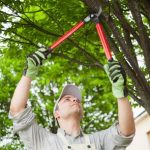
(66, 97)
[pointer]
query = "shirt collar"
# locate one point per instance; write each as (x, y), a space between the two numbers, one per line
(63, 132)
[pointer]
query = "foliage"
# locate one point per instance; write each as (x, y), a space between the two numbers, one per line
(25, 25)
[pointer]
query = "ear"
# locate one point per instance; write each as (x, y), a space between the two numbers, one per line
(56, 114)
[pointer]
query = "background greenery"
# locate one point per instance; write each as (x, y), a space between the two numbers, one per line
(26, 25)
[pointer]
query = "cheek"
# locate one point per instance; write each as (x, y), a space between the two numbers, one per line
(63, 109)
(65, 106)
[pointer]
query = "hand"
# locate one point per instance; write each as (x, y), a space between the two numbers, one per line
(117, 77)
(34, 61)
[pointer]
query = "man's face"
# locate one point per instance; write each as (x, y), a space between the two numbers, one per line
(69, 106)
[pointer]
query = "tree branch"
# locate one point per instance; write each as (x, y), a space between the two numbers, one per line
(76, 60)
(138, 73)
(53, 18)
(87, 54)
(119, 14)
(146, 9)
(16, 41)
(127, 30)
(139, 101)
(142, 86)
(145, 41)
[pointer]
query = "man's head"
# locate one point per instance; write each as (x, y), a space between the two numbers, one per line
(69, 104)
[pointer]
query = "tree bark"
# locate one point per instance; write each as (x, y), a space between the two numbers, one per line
(145, 41)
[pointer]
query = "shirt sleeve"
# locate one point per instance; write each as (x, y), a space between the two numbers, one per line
(112, 138)
(32, 135)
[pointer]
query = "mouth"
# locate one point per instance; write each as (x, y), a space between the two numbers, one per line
(76, 104)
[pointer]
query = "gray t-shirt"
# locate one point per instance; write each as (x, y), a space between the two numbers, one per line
(37, 138)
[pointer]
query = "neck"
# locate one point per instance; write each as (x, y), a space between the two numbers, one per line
(71, 126)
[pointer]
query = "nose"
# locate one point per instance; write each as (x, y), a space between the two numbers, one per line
(76, 100)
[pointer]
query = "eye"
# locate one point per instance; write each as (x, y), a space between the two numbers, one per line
(79, 101)
(67, 99)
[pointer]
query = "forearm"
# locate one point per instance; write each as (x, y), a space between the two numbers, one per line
(126, 120)
(21, 94)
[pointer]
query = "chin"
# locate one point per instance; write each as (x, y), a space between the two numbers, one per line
(76, 111)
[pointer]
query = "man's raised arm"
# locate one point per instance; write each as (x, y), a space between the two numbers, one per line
(117, 78)
(125, 114)
(21, 94)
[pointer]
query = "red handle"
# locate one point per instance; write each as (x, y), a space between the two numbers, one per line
(66, 35)
(103, 39)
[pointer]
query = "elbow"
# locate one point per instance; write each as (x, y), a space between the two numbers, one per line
(129, 132)
(133, 129)
(132, 132)
(15, 110)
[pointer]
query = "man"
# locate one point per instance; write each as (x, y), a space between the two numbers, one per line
(69, 112)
